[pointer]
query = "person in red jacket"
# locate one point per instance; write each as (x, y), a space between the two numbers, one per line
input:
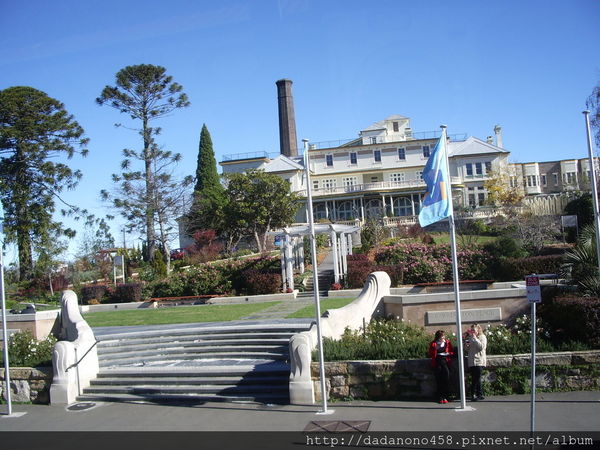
(440, 352)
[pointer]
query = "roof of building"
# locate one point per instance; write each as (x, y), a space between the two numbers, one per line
(281, 163)
(473, 146)
(381, 124)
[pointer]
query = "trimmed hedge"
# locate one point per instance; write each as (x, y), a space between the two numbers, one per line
(509, 269)
(93, 292)
(576, 318)
(360, 268)
(128, 293)
(258, 283)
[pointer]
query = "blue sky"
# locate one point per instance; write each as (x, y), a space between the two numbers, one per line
(526, 65)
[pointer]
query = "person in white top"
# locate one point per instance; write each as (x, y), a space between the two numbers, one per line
(476, 344)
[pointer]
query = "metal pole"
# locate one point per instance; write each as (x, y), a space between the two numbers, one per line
(594, 185)
(4, 330)
(455, 277)
(313, 249)
(533, 339)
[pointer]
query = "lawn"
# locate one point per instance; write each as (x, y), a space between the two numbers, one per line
(179, 314)
(327, 303)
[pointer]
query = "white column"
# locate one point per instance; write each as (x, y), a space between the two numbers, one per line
(282, 258)
(362, 209)
(349, 237)
(344, 246)
(327, 210)
(383, 206)
(412, 203)
(301, 253)
(392, 205)
(334, 208)
(336, 268)
(289, 270)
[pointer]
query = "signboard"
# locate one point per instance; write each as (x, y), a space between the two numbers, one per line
(534, 292)
(569, 221)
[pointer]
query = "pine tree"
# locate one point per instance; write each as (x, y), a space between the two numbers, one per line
(35, 129)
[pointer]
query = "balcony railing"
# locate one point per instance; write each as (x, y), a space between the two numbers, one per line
(365, 187)
(366, 140)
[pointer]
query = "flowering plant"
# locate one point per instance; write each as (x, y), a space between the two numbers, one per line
(26, 351)
(336, 286)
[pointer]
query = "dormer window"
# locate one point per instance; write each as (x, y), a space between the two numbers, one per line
(329, 160)
(396, 127)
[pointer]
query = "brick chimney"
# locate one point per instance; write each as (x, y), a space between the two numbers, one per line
(288, 143)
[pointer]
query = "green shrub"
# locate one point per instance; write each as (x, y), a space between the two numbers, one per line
(506, 247)
(573, 318)
(382, 339)
(127, 293)
(258, 282)
(94, 292)
(26, 351)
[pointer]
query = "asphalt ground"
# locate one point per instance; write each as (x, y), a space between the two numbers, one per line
(251, 425)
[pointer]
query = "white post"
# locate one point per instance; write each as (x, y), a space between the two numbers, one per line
(594, 185)
(4, 330)
(301, 253)
(282, 259)
(313, 249)
(533, 387)
(334, 249)
(461, 361)
(289, 269)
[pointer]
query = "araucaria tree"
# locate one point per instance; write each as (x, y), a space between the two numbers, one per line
(34, 130)
(145, 93)
(593, 103)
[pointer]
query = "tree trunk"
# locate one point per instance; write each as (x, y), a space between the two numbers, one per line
(150, 233)
(258, 242)
(23, 225)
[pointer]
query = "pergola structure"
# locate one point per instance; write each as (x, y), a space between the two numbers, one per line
(292, 249)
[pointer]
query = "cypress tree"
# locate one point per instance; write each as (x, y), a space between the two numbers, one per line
(206, 171)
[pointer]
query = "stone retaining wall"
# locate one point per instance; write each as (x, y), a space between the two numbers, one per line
(28, 384)
(414, 379)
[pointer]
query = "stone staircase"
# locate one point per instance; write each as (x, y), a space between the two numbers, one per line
(325, 280)
(232, 362)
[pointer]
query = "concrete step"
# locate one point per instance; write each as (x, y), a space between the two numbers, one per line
(191, 357)
(188, 389)
(185, 398)
(248, 380)
(166, 345)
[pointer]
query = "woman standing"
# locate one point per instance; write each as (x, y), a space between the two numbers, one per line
(440, 352)
(477, 360)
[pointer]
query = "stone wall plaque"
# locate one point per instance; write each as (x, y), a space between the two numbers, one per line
(467, 315)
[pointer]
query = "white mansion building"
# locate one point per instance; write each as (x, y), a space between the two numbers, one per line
(379, 174)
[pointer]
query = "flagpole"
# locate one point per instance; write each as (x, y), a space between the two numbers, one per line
(313, 249)
(4, 330)
(455, 277)
(586, 113)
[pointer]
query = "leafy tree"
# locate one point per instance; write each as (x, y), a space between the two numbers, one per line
(258, 202)
(593, 103)
(145, 93)
(34, 130)
(500, 192)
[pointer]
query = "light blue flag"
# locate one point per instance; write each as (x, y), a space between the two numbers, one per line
(436, 203)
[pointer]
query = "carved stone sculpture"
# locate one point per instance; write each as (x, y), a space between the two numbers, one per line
(75, 357)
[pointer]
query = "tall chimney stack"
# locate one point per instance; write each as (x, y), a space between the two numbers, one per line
(498, 131)
(288, 143)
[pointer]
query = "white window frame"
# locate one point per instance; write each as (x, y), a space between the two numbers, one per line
(328, 158)
(355, 158)
(375, 153)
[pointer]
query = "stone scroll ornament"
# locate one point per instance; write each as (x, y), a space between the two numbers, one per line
(333, 323)
(75, 356)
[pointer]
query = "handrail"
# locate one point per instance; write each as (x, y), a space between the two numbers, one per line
(81, 359)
